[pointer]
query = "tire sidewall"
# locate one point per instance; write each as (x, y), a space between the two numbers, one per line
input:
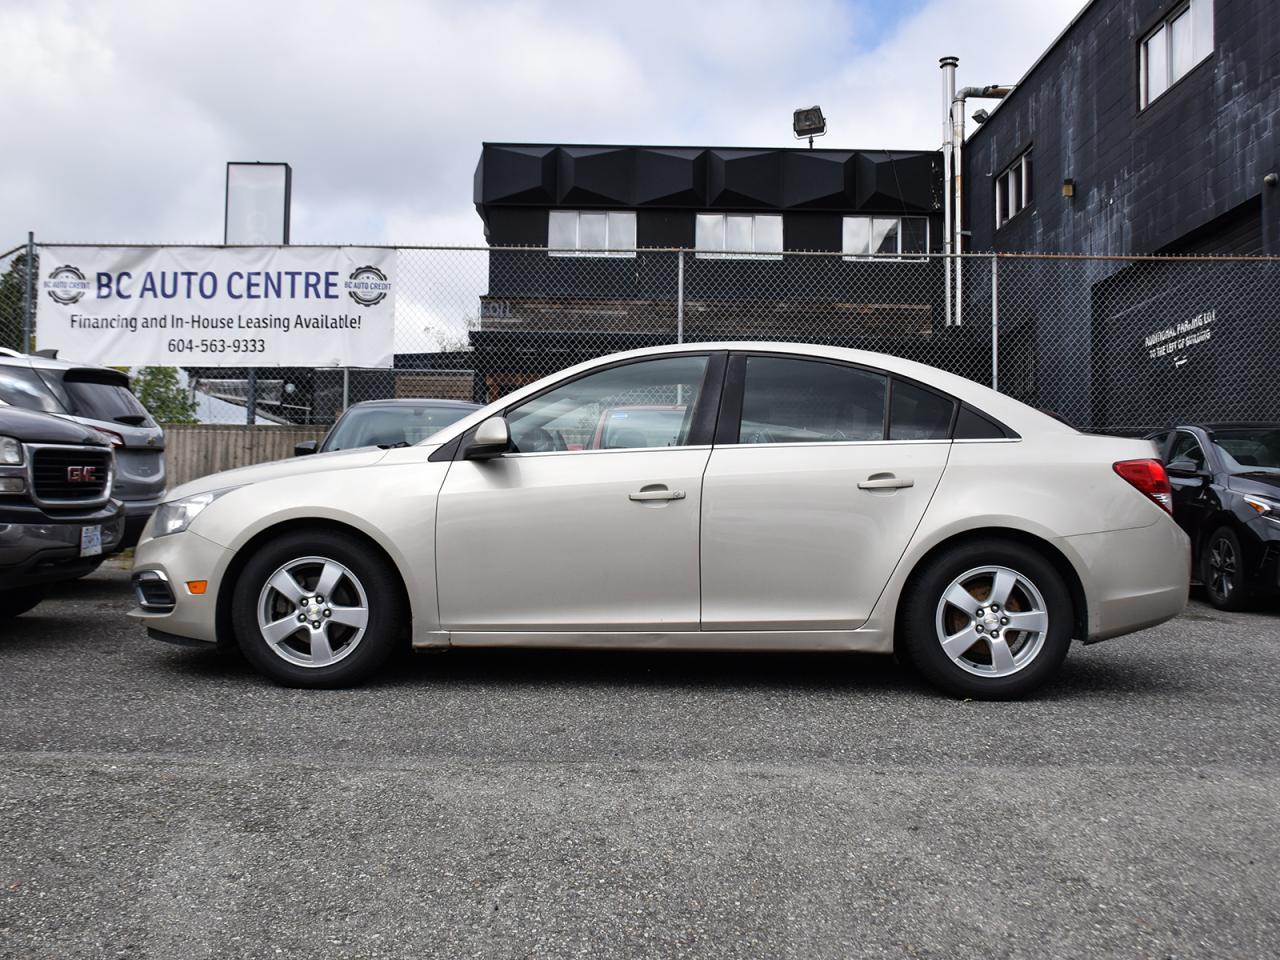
(380, 583)
(918, 628)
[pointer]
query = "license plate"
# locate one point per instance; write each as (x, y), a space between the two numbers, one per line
(90, 541)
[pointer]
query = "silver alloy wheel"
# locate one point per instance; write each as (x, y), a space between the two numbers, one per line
(992, 621)
(313, 612)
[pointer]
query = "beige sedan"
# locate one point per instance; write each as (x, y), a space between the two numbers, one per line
(736, 496)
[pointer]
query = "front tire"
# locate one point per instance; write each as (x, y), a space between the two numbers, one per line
(988, 620)
(317, 609)
(1222, 570)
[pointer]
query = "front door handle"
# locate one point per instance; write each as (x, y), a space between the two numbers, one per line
(658, 494)
(885, 481)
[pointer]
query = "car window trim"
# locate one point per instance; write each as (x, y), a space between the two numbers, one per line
(701, 427)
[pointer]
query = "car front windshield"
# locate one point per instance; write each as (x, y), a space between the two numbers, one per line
(22, 387)
(406, 423)
(1249, 449)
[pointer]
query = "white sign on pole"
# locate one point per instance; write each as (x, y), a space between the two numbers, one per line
(218, 306)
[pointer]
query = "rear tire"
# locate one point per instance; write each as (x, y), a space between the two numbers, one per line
(1222, 570)
(318, 609)
(988, 620)
(14, 603)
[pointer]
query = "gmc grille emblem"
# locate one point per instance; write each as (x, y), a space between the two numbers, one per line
(82, 474)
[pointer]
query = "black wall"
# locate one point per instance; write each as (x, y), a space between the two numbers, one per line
(1144, 180)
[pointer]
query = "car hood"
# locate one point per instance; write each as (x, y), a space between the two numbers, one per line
(30, 426)
(1263, 484)
(276, 469)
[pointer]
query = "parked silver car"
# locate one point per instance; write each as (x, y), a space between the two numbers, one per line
(98, 397)
(811, 498)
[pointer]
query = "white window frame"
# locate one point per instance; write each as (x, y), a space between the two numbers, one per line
(1201, 22)
(722, 254)
(899, 255)
(1023, 166)
(609, 249)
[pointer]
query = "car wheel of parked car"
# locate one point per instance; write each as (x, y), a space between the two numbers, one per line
(317, 609)
(990, 619)
(14, 603)
(1222, 570)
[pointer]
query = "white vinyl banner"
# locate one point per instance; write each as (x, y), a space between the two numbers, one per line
(218, 306)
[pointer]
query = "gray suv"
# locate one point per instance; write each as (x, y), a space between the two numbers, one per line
(98, 397)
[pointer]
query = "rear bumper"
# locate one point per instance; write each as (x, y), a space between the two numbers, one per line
(46, 549)
(1133, 579)
(137, 513)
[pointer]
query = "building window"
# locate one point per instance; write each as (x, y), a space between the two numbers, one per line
(1169, 52)
(1013, 189)
(583, 233)
(752, 235)
(892, 236)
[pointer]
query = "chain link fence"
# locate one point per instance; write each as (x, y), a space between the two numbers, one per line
(1108, 343)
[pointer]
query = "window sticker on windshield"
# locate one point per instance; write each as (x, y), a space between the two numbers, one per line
(619, 415)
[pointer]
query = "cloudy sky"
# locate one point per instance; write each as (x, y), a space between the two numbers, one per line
(119, 116)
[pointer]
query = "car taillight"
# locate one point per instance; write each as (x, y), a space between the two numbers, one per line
(117, 441)
(1148, 477)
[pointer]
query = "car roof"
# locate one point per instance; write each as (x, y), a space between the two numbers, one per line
(49, 363)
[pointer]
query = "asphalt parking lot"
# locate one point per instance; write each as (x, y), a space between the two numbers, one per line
(157, 801)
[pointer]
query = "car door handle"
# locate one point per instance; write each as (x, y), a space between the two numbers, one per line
(885, 481)
(663, 494)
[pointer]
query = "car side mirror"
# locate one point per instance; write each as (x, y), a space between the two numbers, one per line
(491, 439)
(305, 447)
(1186, 469)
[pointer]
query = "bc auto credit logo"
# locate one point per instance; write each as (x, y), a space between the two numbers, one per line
(368, 286)
(66, 285)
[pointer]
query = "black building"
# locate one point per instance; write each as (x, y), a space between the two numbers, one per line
(587, 210)
(1148, 127)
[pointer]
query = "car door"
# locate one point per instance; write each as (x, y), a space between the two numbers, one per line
(582, 529)
(1192, 492)
(811, 495)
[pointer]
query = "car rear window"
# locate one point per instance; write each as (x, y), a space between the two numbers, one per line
(98, 395)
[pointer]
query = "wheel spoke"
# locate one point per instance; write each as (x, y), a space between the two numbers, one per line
(1001, 658)
(329, 578)
(278, 631)
(284, 584)
(357, 617)
(321, 651)
(958, 596)
(1001, 586)
(957, 643)
(1033, 621)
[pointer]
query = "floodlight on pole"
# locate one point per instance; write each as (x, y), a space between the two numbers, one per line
(808, 122)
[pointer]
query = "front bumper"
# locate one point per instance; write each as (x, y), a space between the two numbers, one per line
(179, 559)
(37, 548)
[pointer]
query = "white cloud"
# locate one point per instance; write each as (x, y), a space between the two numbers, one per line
(120, 116)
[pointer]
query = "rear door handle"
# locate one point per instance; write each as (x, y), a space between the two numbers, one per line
(885, 481)
(663, 494)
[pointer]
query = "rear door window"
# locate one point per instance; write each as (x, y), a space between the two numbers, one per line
(919, 414)
(787, 400)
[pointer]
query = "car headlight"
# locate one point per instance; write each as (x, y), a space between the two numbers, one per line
(1264, 507)
(176, 515)
(10, 452)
